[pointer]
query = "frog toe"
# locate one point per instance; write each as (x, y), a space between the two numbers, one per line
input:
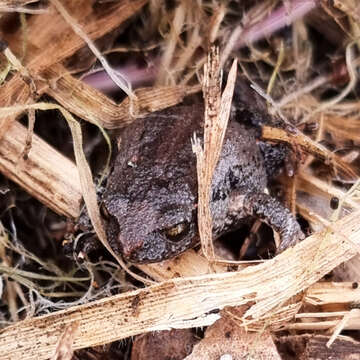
(290, 236)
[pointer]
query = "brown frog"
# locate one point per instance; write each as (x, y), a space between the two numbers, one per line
(150, 202)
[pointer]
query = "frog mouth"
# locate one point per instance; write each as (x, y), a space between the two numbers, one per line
(129, 248)
(154, 248)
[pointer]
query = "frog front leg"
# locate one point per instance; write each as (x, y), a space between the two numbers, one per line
(270, 211)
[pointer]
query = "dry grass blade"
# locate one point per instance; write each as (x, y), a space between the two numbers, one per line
(217, 112)
(89, 192)
(116, 77)
(187, 302)
(204, 160)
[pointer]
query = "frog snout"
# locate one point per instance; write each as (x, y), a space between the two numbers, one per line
(128, 247)
(152, 248)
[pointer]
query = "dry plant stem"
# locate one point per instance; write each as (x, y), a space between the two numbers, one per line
(11, 298)
(24, 29)
(291, 194)
(275, 72)
(47, 175)
(93, 106)
(186, 302)
(295, 96)
(255, 227)
(344, 126)
(309, 146)
(187, 53)
(30, 134)
(322, 325)
(217, 112)
(169, 50)
(16, 63)
(23, 10)
(231, 44)
(273, 320)
(322, 314)
(13, 92)
(279, 18)
(136, 76)
(215, 22)
(204, 162)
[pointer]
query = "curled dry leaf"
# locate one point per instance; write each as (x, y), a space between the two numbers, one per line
(226, 337)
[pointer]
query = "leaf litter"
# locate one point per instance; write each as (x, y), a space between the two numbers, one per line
(293, 73)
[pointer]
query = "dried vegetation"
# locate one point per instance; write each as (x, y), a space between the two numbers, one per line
(90, 61)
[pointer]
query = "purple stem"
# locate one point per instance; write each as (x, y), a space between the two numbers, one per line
(283, 16)
(135, 75)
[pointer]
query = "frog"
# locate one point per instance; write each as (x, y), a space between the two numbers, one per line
(150, 203)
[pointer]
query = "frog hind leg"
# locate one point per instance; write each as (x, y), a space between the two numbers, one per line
(269, 210)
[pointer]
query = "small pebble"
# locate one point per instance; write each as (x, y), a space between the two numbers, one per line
(334, 202)
(226, 357)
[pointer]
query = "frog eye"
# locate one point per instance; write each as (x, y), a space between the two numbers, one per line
(177, 232)
(104, 211)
